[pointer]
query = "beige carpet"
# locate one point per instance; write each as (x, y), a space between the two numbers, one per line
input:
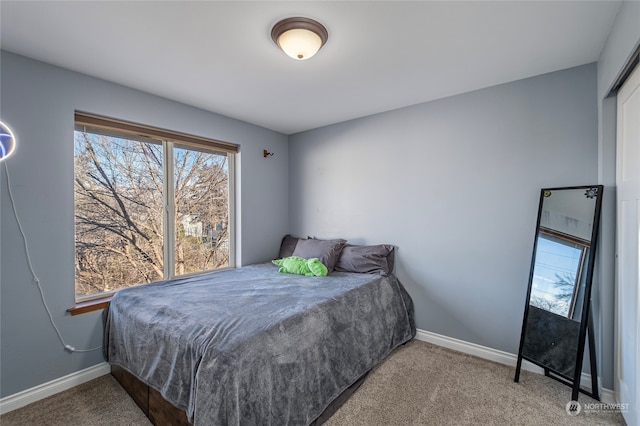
(424, 384)
(99, 402)
(419, 384)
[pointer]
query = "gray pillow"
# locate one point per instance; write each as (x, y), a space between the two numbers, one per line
(376, 259)
(327, 251)
(287, 246)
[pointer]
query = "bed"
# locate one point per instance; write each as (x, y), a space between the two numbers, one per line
(253, 346)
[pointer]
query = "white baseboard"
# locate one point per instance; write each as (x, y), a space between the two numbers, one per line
(606, 395)
(20, 399)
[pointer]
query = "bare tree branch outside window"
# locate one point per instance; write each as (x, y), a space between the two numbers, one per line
(119, 212)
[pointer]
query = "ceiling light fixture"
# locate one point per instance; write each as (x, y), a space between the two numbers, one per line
(300, 38)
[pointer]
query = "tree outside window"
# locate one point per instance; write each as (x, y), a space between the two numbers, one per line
(146, 210)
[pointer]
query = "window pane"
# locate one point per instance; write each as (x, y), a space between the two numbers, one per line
(118, 212)
(201, 191)
(556, 269)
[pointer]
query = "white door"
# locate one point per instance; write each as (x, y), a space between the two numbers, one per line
(628, 247)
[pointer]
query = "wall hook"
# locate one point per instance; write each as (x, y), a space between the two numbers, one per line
(266, 153)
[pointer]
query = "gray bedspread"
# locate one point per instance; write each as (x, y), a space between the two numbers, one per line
(250, 346)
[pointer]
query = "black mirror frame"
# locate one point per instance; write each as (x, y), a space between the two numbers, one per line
(586, 322)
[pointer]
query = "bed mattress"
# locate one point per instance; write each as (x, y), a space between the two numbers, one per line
(253, 346)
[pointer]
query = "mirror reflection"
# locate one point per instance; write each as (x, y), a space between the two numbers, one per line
(562, 249)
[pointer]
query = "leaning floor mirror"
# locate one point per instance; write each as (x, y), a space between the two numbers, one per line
(557, 318)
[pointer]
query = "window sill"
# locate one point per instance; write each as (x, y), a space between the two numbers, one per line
(90, 305)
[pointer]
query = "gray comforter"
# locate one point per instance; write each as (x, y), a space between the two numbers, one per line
(251, 346)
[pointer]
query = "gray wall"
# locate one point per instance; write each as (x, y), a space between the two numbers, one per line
(38, 101)
(621, 43)
(454, 184)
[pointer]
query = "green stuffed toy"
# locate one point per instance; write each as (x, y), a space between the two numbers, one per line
(298, 265)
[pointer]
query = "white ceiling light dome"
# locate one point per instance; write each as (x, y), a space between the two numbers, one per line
(300, 38)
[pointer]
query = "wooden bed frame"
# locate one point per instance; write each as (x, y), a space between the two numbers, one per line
(162, 413)
(154, 406)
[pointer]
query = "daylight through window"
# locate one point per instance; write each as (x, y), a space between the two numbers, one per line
(147, 209)
(557, 275)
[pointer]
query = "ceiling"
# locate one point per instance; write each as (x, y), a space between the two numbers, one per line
(380, 55)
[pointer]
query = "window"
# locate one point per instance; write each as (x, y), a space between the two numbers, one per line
(149, 205)
(557, 276)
